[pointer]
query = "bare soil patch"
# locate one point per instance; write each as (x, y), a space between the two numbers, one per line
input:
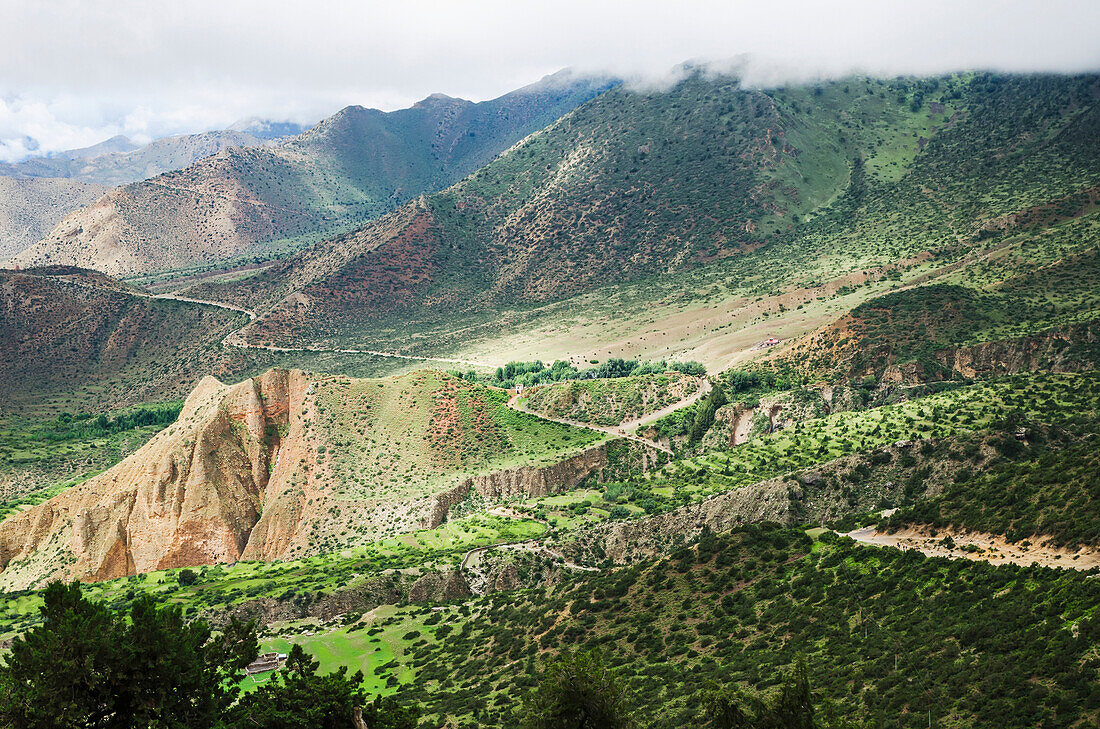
(979, 547)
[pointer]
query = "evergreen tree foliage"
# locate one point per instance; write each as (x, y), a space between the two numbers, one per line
(704, 415)
(87, 667)
(578, 692)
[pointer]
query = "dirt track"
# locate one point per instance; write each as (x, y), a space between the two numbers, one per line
(533, 544)
(626, 429)
(979, 547)
(234, 338)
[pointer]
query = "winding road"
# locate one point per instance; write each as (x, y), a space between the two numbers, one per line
(623, 430)
(531, 544)
(235, 339)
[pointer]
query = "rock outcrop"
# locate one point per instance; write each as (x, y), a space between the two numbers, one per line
(261, 470)
(627, 541)
(526, 481)
(190, 496)
(358, 597)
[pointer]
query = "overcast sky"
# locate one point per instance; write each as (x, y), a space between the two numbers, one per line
(75, 72)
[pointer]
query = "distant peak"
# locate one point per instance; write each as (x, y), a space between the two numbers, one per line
(437, 99)
(267, 128)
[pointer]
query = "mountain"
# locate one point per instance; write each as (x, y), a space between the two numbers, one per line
(885, 483)
(799, 187)
(67, 328)
(352, 166)
(37, 193)
(267, 129)
(118, 144)
(118, 161)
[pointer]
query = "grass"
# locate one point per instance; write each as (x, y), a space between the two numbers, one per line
(41, 457)
(376, 645)
(1051, 492)
(1061, 400)
(420, 433)
(608, 402)
(219, 587)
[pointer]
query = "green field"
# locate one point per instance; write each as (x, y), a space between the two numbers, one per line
(302, 582)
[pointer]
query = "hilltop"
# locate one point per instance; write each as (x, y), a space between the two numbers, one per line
(118, 161)
(289, 465)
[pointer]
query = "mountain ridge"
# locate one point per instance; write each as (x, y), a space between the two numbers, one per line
(348, 168)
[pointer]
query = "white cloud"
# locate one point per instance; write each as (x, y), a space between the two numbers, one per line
(77, 71)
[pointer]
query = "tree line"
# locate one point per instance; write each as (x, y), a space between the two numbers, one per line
(86, 666)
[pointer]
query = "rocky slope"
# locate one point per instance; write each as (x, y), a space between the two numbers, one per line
(66, 328)
(258, 471)
(29, 208)
(37, 193)
(350, 167)
(893, 343)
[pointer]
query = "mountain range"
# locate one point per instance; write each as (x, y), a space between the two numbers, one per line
(350, 167)
(38, 192)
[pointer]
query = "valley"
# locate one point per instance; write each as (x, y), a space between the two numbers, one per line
(716, 381)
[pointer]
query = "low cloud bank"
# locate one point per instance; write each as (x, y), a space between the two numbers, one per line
(74, 73)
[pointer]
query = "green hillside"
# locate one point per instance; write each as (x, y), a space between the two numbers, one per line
(890, 289)
(1050, 493)
(611, 401)
(416, 434)
(888, 636)
(634, 195)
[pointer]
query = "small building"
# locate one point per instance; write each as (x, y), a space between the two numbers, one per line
(771, 342)
(265, 663)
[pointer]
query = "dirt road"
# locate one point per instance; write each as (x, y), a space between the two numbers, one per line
(624, 430)
(235, 339)
(979, 547)
(534, 544)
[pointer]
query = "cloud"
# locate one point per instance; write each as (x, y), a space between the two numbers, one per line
(74, 72)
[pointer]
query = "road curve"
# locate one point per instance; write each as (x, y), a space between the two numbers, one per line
(626, 429)
(530, 543)
(235, 338)
(623, 430)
